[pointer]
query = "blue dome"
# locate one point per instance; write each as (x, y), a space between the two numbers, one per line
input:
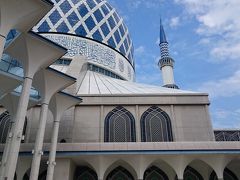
(93, 19)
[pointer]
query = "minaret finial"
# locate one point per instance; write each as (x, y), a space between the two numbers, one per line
(166, 63)
(163, 38)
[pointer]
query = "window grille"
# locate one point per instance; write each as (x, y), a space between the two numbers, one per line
(120, 126)
(156, 126)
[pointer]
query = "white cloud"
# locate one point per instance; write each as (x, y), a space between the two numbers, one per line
(174, 22)
(134, 4)
(139, 51)
(218, 18)
(225, 118)
(226, 87)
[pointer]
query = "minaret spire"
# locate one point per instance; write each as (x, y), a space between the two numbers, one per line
(166, 63)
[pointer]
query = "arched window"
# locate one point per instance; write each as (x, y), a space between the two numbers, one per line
(228, 175)
(83, 172)
(120, 173)
(156, 126)
(153, 173)
(191, 174)
(5, 125)
(119, 126)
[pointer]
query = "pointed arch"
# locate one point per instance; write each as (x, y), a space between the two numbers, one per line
(120, 173)
(155, 173)
(191, 173)
(84, 172)
(227, 174)
(6, 125)
(156, 126)
(119, 126)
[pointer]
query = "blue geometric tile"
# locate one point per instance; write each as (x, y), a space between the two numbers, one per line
(73, 18)
(111, 22)
(105, 29)
(82, 10)
(116, 17)
(97, 36)
(75, 1)
(98, 15)
(63, 28)
(44, 27)
(55, 17)
(90, 23)
(121, 30)
(111, 43)
(91, 4)
(122, 50)
(105, 9)
(126, 44)
(81, 31)
(109, 7)
(117, 36)
(65, 6)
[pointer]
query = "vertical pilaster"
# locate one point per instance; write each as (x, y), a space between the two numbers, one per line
(101, 124)
(138, 124)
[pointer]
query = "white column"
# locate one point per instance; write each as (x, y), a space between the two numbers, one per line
(53, 148)
(2, 43)
(58, 108)
(6, 150)
(17, 129)
(37, 152)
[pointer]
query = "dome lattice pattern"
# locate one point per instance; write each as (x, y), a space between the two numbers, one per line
(94, 19)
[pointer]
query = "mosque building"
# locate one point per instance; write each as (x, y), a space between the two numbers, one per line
(85, 116)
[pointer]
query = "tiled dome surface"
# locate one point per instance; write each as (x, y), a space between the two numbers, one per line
(94, 19)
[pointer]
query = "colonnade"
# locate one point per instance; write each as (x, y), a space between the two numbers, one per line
(35, 54)
(144, 167)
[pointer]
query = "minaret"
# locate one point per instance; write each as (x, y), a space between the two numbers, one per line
(166, 63)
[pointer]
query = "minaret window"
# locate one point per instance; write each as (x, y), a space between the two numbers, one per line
(119, 126)
(156, 126)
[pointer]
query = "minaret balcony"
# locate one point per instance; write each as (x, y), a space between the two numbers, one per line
(166, 61)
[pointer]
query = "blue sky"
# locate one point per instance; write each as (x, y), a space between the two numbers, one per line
(204, 38)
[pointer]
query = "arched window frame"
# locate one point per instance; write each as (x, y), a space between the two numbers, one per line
(193, 172)
(163, 116)
(120, 170)
(81, 170)
(227, 173)
(119, 111)
(157, 170)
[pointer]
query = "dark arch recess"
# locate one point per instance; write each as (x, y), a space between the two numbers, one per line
(155, 173)
(120, 173)
(84, 172)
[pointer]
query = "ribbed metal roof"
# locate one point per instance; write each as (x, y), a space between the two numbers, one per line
(97, 84)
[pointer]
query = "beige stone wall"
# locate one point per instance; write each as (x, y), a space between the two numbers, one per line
(85, 123)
